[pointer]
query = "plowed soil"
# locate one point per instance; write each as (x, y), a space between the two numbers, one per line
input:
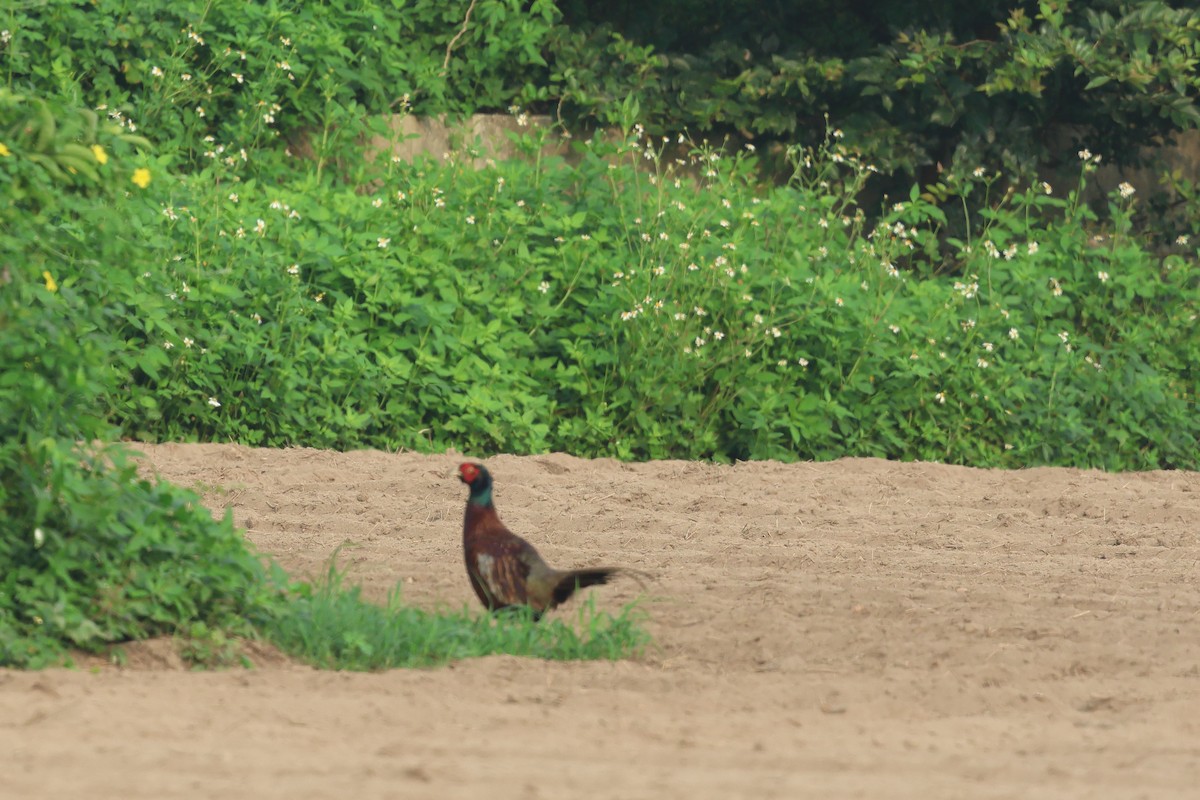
(857, 628)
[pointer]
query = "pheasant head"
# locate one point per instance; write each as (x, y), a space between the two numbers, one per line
(479, 480)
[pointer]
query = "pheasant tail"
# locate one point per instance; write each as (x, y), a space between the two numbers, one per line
(577, 579)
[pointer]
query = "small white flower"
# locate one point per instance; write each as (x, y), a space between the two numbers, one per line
(1085, 155)
(1103, 276)
(544, 287)
(294, 269)
(1013, 334)
(1182, 240)
(838, 301)
(982, 363)
(155, 71)
(1126, 190)
(383, 242)
(718, 335)
(1032, 247)
(233, 198)
(979, 172)
(783, 362)
(1063, 335)
(940, 397)
(802, 362)
(260, 227)
(988, 346)
(214, 402)
(776, 333)
(894, 328)
(39, 536)
(168, 345)
(237, 76)
(1047, 188)
(187, 342)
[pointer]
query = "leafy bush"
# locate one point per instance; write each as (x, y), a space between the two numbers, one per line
(243, 74)
(92, 552)
(916, 85)
(633, 306)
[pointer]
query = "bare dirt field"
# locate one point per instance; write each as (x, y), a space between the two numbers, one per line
(849, 629)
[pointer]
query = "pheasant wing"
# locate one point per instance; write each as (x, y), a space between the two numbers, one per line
(502, 576)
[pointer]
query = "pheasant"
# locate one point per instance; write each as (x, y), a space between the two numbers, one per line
(505, 570)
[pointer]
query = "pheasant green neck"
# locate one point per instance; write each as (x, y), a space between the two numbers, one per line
(482, 497)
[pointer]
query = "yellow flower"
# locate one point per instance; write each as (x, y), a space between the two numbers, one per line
(50, 284)
(4, 151)
(98, 152)
(141, 176)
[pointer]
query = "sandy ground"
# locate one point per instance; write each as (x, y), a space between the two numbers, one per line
(850, 629)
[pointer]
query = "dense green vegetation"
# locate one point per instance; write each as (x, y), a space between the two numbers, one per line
(195, 248)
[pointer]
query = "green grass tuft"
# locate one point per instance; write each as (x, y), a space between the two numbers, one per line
(332, 627)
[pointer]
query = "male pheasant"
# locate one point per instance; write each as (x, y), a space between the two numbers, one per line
(505, 570)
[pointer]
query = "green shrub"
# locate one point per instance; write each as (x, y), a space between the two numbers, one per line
(919, 86)
(217, 79)
(93, 553)
(653, 311)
